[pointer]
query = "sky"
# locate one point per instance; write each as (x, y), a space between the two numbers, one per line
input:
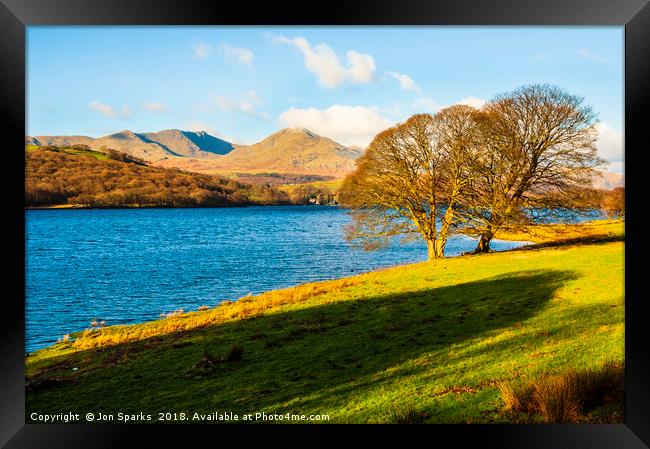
(346, 83)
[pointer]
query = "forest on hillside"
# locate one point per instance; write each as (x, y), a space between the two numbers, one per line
(80, 177)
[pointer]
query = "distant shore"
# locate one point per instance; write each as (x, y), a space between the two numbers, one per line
(78, 206)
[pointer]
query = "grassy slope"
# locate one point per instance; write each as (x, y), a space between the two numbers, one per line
(428, 338)
(331, 186)
(69, 150)
(566, 233)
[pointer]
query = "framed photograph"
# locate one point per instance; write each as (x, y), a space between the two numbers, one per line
(362, 213)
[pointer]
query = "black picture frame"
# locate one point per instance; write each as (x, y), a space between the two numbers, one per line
(634, 15)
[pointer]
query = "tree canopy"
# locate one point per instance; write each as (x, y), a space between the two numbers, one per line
(56, 177)
(473, 170)
(410, 179)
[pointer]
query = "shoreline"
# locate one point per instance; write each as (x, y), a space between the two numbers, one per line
(468, 315)
(298, 285)
(79, 207)
(523, 244)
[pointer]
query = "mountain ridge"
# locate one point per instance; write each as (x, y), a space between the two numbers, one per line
(151, 146)
(293, 151)
(289, 150)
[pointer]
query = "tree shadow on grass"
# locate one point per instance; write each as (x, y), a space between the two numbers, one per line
(297, 360)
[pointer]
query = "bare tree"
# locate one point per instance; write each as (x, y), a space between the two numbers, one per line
(410, 179)
(614, 202)
(538, 150)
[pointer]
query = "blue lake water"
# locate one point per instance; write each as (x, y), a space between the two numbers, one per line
(131, 265)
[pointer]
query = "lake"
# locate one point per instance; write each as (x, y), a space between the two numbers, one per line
(131, 265)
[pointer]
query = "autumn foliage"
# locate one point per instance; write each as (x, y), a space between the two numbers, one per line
(53, 176)
(526, 153)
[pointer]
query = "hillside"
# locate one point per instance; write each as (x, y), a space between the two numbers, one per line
(189, 143)
(133, 144)
(152, 146)
(290, 151)
(75, 176)
(428, 342)
(59, 141)
(608, 180)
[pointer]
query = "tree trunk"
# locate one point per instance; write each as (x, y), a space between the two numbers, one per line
(431, 250)
(440, 248)
(484, 242)
(435, 249)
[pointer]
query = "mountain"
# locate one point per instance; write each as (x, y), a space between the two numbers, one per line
(134, 144)
(609, 180)
(59, 141)
(295, 150)
(152, 147)
(189, 143)
(291, 150)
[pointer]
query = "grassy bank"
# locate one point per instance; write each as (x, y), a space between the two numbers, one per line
(415, 343)
(73, 151)
(591, 231)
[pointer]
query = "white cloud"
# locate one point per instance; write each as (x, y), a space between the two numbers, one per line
(126, 112)
(247, 107)
(102, 108)
(349, 125)
(244, 56)
(595, 57)
(360, 67)
(405, 81)
(426, 104)
(325, 63)
(224, 103)
(610, 145)
(472, 101)
(248, 104)
(240, 55)
(155, 106)
(251, 95)
(108, 111)
(201, 50)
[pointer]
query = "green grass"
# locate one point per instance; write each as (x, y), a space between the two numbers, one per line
(415, 343)
(70, 150)
(96, 154)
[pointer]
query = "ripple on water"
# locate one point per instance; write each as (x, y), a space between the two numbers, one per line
(127, 266)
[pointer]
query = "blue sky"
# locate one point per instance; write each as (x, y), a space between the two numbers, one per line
(348, 83)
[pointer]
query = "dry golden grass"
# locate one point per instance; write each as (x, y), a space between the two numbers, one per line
(516, 396)
(563, 398)
(556, 397)
(557, 233)
(179, 321)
